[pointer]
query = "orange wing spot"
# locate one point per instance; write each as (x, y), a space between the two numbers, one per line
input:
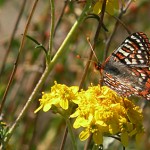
(148, 84)
(135, 47)
(132, 55)
(148, 72)
(143, 35)
(144, 93)
(126, 50)
(145, 71)
(136, 72)
(147, 90)
(120, 56)
(116, 59)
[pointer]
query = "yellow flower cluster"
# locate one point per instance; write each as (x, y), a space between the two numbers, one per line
(100, 111)
(111, 5)
(59, 96)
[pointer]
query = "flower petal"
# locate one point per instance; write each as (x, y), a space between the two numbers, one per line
(124, 138)
(46, 107)
(97, 8)
(64, 104)
(84, 135)
(98, 138)
(40, 107)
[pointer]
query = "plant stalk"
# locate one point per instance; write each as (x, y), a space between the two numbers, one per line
(48, 68)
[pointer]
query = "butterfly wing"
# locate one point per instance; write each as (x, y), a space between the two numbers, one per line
(127, 70)
(134, 51)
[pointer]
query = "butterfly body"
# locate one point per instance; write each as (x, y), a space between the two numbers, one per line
(127, 70)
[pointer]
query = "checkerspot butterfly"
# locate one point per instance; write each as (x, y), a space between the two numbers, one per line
(127, 69)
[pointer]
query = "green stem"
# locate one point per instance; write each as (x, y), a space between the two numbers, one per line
(49, 68)
(31, 98)
(71, 134)
(71, 33)
(51, 28)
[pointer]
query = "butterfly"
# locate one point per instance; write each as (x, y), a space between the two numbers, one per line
(127, 69)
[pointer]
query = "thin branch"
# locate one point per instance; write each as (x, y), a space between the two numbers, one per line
(32, 96)
(122, 23)
(18, 56)
(98, 19)
(12, 36)
(73, 140)
(17, 59)
(88, 142)
(61, 16)
(64, 138)
(49, 68)
(51, 28)
(100, 25)
(95, 41)
(115, 29)
(32, 141)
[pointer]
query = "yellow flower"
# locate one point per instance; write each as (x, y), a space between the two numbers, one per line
(59, 96)
(101, 112)
(111, 5)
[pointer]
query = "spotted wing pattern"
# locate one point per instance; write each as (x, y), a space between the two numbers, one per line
(127, 70)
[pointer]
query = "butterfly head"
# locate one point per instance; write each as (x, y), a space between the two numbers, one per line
(98, 66)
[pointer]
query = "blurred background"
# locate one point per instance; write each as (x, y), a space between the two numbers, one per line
(44, 131)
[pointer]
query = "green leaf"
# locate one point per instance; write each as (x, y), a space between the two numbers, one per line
(39, 45)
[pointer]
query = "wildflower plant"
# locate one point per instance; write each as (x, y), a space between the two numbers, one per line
(95, 111)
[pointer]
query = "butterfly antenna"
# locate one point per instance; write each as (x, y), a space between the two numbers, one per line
(88, 39)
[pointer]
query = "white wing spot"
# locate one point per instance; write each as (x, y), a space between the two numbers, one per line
(129, 47)
(142, 48)
(134, 61)
(139, 56)
(142, 61)
(140, 79)
(141, 44)
(123, 52)
(127, 61)
(143, 75)
(133, 37)
(127, 41)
